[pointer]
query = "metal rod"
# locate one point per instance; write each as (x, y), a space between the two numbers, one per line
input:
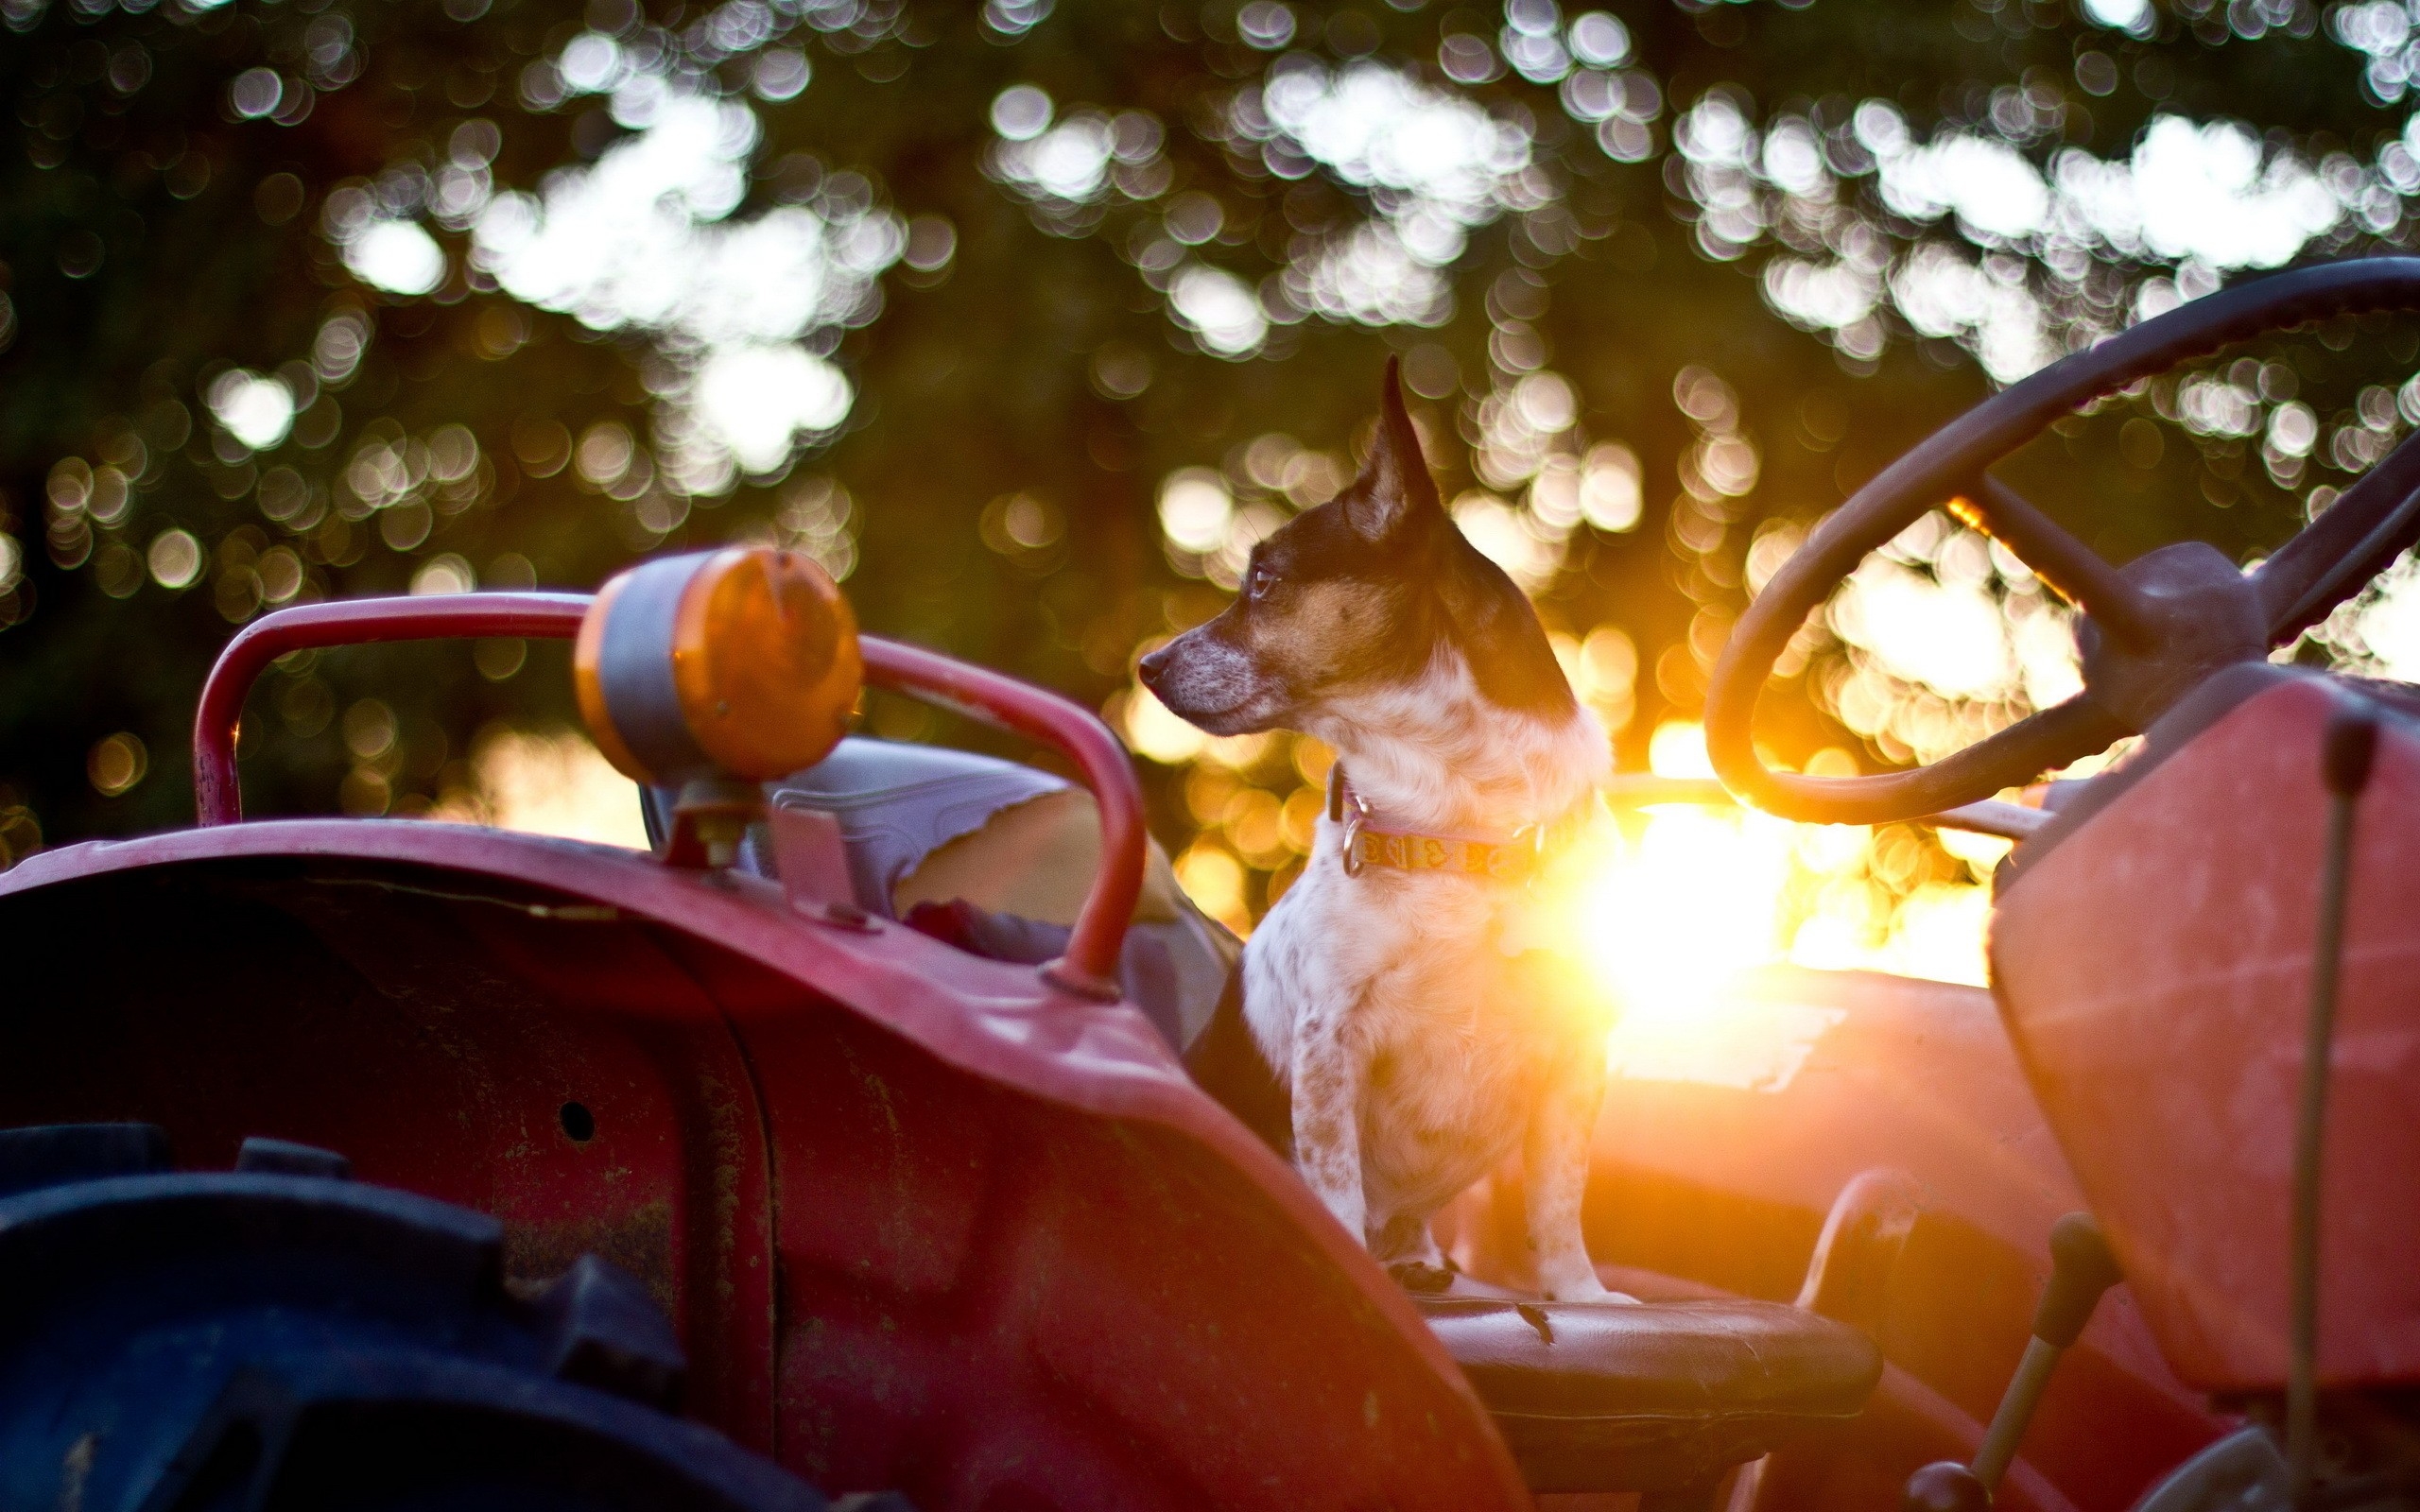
(1089, 966)
(1997, 1451)
(2082, 1268)
(217, 799)
(2348, 748)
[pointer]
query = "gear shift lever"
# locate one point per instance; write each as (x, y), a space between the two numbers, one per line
(2080, 1269)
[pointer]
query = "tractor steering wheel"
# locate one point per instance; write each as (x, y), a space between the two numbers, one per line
(2151, 631)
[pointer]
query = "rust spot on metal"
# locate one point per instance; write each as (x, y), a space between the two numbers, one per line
(639, 1240)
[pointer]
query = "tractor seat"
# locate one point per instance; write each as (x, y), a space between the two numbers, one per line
(1655, 1397)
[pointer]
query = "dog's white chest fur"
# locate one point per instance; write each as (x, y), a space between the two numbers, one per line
(1408, 970)
(1420, 1044)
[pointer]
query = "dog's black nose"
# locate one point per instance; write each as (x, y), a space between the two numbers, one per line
(1156, 665)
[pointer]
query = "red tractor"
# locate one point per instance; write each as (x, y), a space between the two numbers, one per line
(407, 1164)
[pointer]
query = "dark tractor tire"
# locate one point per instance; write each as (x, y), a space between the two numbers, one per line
(280, 1338)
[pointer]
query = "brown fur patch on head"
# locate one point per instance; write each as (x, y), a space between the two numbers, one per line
(1328, 631)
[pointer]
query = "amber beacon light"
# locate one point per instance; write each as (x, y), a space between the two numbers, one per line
(714, 672)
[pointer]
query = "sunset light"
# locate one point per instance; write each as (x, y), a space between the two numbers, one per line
(1665, 903)
(1672, 905)
(902, 1006)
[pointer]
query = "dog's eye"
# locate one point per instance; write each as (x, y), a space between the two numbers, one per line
(1262, 581)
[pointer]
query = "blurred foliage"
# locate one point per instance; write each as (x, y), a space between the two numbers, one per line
(188, 190)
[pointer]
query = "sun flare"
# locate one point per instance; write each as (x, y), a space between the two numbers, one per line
(1666, 909)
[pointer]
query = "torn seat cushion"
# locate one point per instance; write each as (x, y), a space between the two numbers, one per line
(995, 858)
(1657, 1396)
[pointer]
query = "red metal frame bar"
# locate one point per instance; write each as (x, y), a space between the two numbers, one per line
(217, 799)
(1089, 966)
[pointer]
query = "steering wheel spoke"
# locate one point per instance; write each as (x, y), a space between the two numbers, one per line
(2375, 520)
(2071, 569)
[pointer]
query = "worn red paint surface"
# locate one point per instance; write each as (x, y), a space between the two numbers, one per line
(931, 1222)
(2156, 969)
(927, 1221)
(1090, 965)
(1700, 1187)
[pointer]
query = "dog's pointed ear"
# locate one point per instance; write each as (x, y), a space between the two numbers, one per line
(1395, 488)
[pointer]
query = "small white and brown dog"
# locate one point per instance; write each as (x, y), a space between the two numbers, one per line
(1387, 988)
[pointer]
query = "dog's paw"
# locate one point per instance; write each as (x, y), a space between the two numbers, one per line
(1587, 1289)
(1421, 1278)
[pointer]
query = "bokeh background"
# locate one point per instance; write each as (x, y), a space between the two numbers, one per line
(1029, 317)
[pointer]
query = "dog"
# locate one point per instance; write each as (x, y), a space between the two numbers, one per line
(1418, 1040)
